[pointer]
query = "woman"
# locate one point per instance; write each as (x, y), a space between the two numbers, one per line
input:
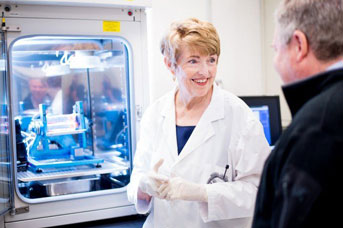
(193, 133)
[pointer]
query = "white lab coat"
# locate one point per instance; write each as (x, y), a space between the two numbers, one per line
(227, 133)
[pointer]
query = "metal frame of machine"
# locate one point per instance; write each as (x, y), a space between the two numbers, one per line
(76, 18)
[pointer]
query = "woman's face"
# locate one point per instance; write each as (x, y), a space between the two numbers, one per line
(195, 73)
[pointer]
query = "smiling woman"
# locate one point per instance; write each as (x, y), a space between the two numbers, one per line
(191, 51)
(195, 74)
(191, 133)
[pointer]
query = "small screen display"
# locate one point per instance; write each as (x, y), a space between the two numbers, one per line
(262, 113)
(267, 110)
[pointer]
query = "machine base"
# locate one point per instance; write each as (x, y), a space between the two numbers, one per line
(74, 218)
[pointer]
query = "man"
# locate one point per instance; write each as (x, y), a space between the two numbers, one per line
(299, 185)
(38, 94)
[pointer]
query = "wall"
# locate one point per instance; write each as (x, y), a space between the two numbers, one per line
(246, 30)
(239, 26)
(271, 77)
(240, 64)
(163, 13)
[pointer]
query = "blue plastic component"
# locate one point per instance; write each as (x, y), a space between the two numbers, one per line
(66, 152)
(3, 119)
(38, 166)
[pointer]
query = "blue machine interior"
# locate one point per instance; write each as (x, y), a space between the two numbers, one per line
(49, 131)
(71, 113)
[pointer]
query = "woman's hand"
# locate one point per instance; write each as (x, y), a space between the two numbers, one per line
(177, 188)
(143, 196)
(151, 181)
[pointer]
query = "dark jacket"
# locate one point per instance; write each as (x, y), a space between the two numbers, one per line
(27, 102)
(300, 184)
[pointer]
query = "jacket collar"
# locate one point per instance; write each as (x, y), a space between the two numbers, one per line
(298, 93)
(203, 130)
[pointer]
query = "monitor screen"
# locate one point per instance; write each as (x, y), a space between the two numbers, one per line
(267, 110)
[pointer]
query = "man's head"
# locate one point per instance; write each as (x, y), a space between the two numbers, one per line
(38, 88)
(308, 37)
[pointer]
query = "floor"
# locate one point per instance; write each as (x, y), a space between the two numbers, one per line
(135, 221)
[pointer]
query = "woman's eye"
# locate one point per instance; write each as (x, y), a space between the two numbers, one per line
(213, 60)
(192, 61)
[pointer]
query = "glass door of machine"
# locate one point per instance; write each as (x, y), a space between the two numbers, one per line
(5, 177)
(71, 110)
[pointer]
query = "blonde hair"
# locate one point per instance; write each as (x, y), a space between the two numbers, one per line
(193, 33)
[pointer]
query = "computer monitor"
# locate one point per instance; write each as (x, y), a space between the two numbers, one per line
(267, 109)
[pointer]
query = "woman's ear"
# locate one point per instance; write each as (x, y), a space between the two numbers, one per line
(169, 65)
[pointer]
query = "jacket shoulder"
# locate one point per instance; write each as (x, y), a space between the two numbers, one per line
(324, 111)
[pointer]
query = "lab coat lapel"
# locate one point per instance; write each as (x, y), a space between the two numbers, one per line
(169, 127)
(204, 129)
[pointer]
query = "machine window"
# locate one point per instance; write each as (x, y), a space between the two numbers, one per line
(71, 109)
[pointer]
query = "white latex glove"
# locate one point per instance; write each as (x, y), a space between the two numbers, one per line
(177, 188)
(150, 182)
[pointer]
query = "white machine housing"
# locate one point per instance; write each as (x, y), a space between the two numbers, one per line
(80, 18)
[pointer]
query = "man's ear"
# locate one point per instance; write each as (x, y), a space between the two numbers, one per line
(301, 45)
(169, 65)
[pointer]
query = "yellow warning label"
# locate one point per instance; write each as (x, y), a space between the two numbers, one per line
(111, 26)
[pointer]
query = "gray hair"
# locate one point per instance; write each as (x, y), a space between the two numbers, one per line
(320, 20)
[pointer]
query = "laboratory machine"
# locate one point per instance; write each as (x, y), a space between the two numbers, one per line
(73, 84)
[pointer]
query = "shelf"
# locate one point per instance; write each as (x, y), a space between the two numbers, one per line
(47, 164)
(61, 132)
(76, 171)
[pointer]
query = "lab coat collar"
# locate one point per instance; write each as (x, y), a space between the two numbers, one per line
(168, 125)
(216, 112)
(203, 130)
